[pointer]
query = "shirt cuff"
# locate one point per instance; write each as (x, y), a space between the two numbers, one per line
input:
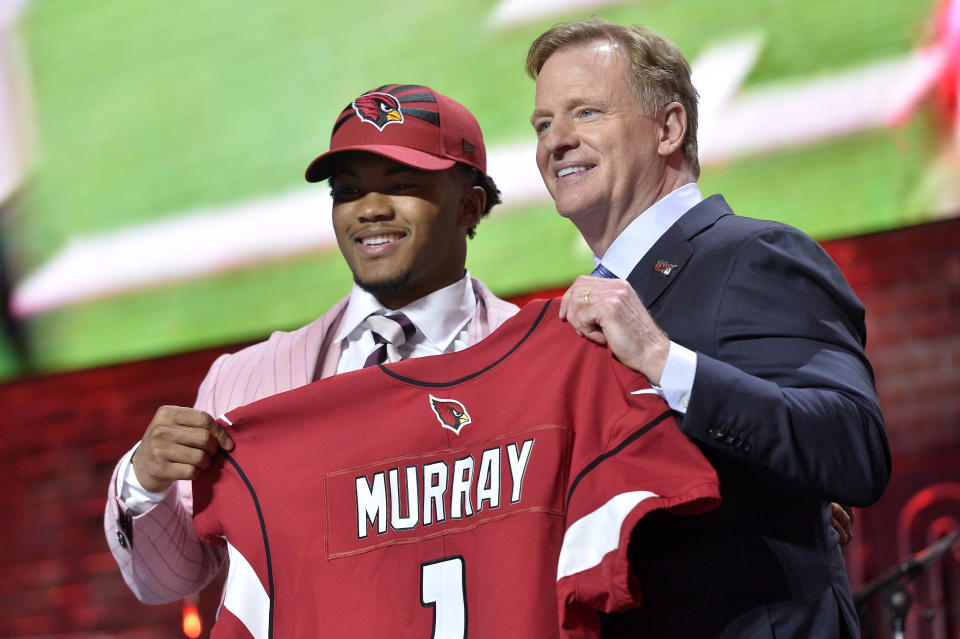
(676, 383)
(135, 497)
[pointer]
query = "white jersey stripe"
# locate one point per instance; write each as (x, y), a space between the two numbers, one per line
(244, 595)
(591, 537)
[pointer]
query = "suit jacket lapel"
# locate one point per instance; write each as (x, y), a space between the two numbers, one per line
(667, 257)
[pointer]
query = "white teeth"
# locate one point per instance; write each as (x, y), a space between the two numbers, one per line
(376, 240)
(570, 169)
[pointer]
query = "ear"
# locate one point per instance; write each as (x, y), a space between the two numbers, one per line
(472, 205)
(673, 128)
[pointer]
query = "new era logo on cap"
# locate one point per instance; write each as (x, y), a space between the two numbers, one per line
(409, 123)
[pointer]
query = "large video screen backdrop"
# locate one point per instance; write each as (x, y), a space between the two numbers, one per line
(152, 153)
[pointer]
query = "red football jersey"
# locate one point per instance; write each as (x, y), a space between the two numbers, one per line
(485, 493)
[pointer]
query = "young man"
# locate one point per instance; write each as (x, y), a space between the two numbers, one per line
(407, 168)
(747, 326)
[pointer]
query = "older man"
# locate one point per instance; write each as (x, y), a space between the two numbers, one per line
(747, 326)
(407, 167)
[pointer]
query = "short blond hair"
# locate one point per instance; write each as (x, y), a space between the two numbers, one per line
(659, 73)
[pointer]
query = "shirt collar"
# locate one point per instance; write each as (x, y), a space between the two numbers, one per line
(439, 316)
(642, 233)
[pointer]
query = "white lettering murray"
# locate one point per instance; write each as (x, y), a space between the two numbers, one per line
(431, 492)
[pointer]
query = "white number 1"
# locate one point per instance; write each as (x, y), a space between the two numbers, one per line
(443, 588)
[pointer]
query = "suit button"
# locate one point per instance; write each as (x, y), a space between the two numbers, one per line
(121, 539)
(729, 440)
(746, 447)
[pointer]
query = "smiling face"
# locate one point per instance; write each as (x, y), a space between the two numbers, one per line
(401, 230)
(597, 151)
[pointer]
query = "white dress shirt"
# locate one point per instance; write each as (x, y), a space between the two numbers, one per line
(442, 319)
(625, 253)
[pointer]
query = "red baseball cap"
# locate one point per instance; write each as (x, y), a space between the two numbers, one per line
(409, 123)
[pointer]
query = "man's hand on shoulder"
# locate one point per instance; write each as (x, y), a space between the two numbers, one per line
(178, 444)
(608, 311)
(841, 518)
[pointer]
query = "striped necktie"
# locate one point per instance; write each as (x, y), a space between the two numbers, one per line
(389, 332)
(602, 271)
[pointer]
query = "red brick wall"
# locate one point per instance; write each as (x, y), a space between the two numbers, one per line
(909, 282)
(61, 435)
(60, 438)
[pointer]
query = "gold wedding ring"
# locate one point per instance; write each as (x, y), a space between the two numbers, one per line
(586, 298)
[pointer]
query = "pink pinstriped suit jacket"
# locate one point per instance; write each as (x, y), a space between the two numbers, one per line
(158, 551)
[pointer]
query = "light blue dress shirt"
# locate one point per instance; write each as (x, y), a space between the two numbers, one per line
(625, 253)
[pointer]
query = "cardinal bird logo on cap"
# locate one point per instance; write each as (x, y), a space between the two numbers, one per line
(379, 109)
(450, 413)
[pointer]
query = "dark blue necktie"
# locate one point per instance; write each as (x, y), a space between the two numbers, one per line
(601, 271)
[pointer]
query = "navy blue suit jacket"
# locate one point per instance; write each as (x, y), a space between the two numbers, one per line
(784, 406)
